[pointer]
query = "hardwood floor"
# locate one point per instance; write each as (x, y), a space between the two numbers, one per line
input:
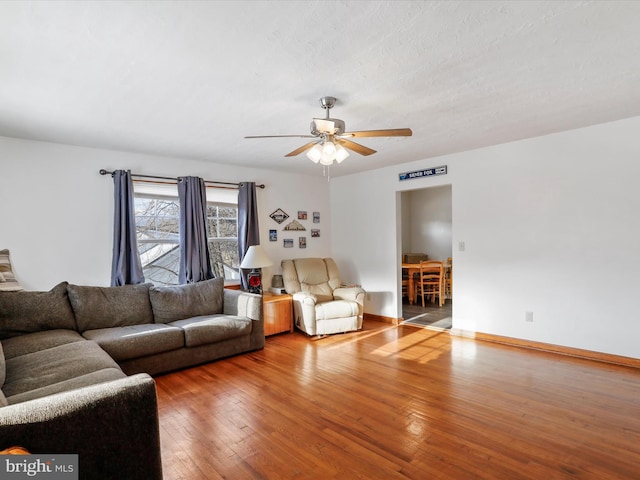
(399, 402)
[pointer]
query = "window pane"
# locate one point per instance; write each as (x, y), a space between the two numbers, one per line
(160, 263)
(212, 227)
(167, 227)
(224, 258)
(228, 212)
(168, 208)
(212, 210)
(227, 228)
(144, 206)
(157, 219)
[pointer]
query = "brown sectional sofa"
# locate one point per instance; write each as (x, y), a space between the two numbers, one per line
(75, 365)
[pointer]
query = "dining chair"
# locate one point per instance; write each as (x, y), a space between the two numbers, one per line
(431, 281)
(406, 285)
(448, 279)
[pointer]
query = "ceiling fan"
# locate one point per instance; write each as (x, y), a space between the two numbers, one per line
(332, 141)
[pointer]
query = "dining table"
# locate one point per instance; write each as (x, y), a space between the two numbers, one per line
(412, 269)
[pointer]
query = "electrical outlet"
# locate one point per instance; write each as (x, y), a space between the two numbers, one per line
(461, 246)
(528, 317)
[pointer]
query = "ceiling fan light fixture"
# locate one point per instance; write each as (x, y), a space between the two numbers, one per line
(331, 140)
(329, 149)
(341, 153)
(328, 153)
(315, 153)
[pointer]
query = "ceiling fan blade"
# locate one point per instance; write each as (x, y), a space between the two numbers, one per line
(303, 148)
(356, 147)
(390, 132)
(280, 136)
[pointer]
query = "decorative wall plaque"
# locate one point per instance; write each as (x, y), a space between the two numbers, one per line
(295, 225)
(279, 215)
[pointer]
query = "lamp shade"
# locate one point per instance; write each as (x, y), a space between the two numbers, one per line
(255, 258)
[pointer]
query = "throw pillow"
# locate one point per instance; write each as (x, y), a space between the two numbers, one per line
(185, 301)
(28, 312)
(104, 307)
(8, 282)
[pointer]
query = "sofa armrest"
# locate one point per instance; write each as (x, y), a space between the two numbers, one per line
(244, 304)
(112, 426)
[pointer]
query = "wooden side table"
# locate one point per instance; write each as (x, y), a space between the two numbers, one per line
(278, 313)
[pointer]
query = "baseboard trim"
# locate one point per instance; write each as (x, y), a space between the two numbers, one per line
(548, 347)
(380, 318)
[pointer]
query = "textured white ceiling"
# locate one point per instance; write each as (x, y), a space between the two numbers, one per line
(191, 79)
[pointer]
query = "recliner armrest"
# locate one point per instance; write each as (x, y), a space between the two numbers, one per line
(355, 294)
(305, 297)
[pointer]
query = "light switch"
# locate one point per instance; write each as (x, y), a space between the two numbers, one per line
(461, 246)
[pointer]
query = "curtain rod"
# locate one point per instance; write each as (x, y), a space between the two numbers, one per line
(172, 179)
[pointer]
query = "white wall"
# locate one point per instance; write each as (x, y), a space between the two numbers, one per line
(56, 210)
(426, 222)
(551, 226)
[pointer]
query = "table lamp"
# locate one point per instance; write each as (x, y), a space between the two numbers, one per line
(255, 259)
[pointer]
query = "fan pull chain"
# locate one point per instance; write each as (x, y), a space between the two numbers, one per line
(326, 172)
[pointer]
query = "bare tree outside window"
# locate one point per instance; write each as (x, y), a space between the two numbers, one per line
(158, 234)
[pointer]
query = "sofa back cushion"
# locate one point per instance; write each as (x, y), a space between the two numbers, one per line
(185, 301)
(104, 307)
(28, 311)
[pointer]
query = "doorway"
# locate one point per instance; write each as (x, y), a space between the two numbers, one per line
(426, 228)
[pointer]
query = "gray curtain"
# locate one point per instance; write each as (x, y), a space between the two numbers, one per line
(195, 262)
(126, 267)
(248, 232)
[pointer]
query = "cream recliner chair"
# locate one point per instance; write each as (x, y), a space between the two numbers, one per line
(320, 305)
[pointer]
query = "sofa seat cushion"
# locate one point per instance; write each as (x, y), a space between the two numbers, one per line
(336, 309)
(93, 378)
(133, 341)
(34, 342)
(53, 365)
(213, 328)
(103, 307)
(178, 302)
(28, 311)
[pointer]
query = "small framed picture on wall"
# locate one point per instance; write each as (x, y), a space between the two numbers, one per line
(316, 217)
(288, 243)
(302, 214)
(315, 233)
(273, 235)
(302, 242)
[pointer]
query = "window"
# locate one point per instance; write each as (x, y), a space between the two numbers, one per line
(158, 234)
(222, 232)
